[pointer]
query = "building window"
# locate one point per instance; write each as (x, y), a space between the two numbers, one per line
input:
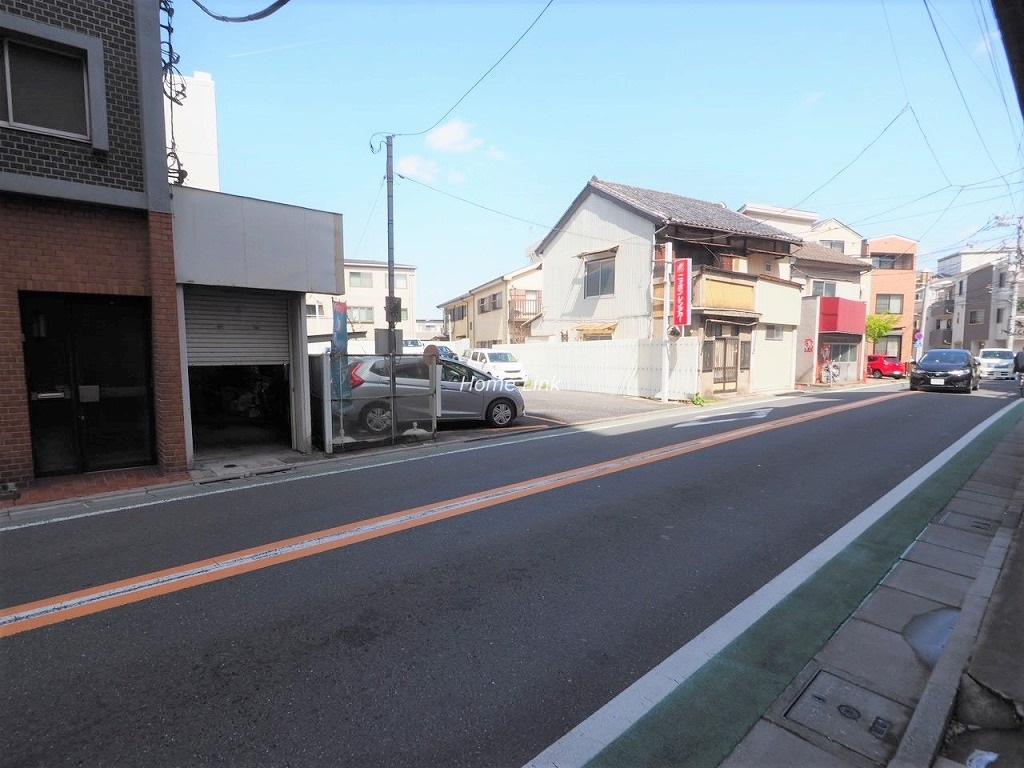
(401, 281)
(889, 303)
(890, 346)
(600, 278)
(360, 279)
(1002, 279)
(976, 317)
(835, 245)
(823, 288)
(938, 325)
(767, 267)
(883, 261)
(773, 332)
(52, 81)
(360, 314)
(457, 313)
(314, 310)
(489, 303)
(405, 315)
(960, 288)
(1000, 315)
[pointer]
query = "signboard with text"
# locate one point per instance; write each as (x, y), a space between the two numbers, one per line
(681, 291)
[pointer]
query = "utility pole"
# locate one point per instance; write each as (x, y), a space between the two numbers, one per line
(390, 310)
(1015, 269)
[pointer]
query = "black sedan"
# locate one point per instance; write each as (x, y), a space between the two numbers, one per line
(955, 369)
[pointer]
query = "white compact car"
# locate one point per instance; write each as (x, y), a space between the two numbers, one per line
(996, 363)
(500, 365)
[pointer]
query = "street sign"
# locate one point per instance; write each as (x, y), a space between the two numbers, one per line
(918, 336)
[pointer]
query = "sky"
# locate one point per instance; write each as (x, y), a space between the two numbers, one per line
(893, 116)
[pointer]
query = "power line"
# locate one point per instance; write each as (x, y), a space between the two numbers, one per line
(963, 98)
(906, 94)
(272, 8)
(836, 175)
(471, 88)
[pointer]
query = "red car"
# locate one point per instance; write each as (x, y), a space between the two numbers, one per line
(885, 365)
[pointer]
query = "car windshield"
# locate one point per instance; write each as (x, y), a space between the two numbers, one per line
(502, 357)
(946, 357)
(996, 354)
(892, 359)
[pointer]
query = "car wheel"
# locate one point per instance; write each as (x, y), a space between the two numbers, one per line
(877, 374)
(501, 412)
(912, 387)
(376, 418)
(969, 387)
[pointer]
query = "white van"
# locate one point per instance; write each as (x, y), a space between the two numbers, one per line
(499, 364)
(996, 363)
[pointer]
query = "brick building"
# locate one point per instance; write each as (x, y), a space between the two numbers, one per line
(90, 360)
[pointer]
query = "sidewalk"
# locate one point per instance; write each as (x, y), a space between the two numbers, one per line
(930, 668)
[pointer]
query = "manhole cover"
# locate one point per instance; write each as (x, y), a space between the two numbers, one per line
(865, 722)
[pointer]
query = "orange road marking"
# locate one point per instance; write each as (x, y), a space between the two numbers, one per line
(54, 610)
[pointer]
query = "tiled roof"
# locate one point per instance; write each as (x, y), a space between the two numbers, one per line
(675, 209)
(819, 253)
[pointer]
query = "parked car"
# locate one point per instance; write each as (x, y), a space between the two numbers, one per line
(465, 394)
(446, 353)
(996, 363)
(884, 365)
(955, 369)
(501, 365)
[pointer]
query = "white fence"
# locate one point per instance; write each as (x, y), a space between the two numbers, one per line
(616, 367)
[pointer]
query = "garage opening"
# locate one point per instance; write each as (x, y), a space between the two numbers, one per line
(238, 368)
(237, 406)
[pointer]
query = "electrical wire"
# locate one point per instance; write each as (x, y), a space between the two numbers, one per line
(272, 8)
(906, 94)
(471, 88)
(963, 98)
(376, 200)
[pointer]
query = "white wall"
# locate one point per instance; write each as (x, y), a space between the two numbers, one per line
(240, 242)
(631, 367)
(598, 225)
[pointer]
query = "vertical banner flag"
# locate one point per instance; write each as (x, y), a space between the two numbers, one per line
(339, 352)
(681, 291)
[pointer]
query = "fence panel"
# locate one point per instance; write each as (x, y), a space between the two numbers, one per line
(631, 367)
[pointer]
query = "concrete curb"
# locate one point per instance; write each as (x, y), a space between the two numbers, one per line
(926, 730)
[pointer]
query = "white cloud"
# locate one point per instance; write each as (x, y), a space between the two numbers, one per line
(495, 153)
(453, 137)
(990, 42)
(417, 167)
(457, 177)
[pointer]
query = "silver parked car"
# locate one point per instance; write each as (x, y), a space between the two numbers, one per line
(466, 394)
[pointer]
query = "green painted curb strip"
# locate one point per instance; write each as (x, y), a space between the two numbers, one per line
(701, 722)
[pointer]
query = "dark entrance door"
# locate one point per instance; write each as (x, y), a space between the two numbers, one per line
(87, 360)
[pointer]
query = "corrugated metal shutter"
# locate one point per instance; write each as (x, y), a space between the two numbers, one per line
(229, 327)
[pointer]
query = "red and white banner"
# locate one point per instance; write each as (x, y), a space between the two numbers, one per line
(681, 291)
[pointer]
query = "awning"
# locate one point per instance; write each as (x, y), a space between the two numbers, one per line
(595, 327)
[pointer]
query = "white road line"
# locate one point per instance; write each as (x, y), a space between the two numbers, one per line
(589, 738)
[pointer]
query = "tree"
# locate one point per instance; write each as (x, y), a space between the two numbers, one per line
(881, 325)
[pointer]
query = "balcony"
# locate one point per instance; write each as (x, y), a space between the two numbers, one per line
(723, 293)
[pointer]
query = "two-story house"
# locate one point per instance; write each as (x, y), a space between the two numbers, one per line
(500, 311)
(604, 276)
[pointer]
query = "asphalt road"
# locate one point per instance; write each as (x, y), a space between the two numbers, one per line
(479, 599)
